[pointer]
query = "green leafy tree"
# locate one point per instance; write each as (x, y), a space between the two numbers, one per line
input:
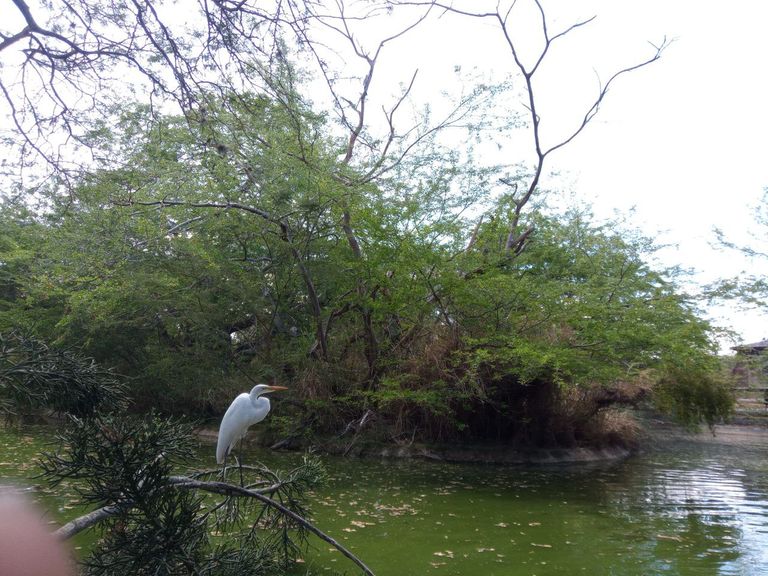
(749, 288)
(520, 339)
(188, 266)
(248, 238)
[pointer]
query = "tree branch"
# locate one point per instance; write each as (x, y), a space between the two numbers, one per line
(74, 527)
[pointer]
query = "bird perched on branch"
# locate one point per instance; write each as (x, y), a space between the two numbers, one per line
(245, 411)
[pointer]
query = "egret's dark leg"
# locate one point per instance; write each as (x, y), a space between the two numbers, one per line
(239, 462)
(224, 467)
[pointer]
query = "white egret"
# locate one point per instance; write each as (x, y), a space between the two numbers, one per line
(245, 410)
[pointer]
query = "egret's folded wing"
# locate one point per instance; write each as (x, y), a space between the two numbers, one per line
(233, 426)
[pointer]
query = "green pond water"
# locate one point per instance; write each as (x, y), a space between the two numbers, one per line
(683, 507)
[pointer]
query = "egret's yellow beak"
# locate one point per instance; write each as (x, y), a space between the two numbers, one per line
(276, 388)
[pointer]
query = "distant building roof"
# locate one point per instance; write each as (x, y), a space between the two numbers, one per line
(754, 347)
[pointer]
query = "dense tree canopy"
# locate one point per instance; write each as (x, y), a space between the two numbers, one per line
(187, 270)
(376, 266)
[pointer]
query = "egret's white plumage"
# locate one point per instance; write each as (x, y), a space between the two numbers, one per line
(245, 410)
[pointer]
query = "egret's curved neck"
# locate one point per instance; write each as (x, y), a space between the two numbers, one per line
(257, 398)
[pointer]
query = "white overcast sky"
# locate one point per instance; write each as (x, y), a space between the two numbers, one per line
(681, 141)
(685, 141)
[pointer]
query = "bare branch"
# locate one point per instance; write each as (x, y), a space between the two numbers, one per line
(594, 109)
(515, 240)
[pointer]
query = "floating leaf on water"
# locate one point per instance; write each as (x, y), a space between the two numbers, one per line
(502, 524)
(397, 510)
(534, 523)
(665, 537)
(541, 545)
(486, 549)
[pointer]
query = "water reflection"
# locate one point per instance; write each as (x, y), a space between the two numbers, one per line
(684, 509)
(705, 513)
